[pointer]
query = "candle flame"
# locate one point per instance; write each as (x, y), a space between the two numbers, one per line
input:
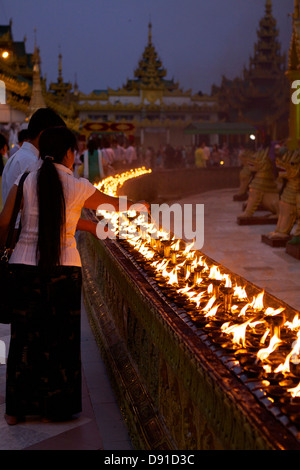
(263, 354)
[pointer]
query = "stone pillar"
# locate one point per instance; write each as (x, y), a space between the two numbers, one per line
(293, 75)
(294, 118)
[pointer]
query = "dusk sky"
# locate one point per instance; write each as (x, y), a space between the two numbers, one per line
(101, 41)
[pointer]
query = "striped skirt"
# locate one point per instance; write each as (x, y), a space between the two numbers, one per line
(44, 363)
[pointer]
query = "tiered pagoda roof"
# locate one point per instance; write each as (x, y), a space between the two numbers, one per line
(261, 96)
(294, 52)
(267, 61)
(15, 61)
(25, 88)
(150, 72)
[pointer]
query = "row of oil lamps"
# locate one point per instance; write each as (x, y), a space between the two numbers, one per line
(209, 297)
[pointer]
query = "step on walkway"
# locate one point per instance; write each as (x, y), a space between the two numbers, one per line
(100, 426)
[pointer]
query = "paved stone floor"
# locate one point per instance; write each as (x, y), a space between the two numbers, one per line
(100, 425)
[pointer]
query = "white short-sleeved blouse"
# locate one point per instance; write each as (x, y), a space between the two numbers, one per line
(76, 192)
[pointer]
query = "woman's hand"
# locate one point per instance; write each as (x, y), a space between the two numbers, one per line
(140, 206)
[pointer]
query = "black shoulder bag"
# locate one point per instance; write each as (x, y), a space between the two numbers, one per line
(6, 294)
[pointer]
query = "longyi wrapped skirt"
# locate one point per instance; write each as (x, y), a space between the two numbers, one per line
(44, 363)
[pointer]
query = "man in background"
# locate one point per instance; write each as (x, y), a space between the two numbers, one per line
(27, 157)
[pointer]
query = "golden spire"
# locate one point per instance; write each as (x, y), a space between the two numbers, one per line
(150, 33)
(60, 79)
(37, 100)
(268, 7)
(296, 10)
(60, 88)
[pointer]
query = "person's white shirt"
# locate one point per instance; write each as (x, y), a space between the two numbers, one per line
(25, 159)
(108, 155)
(76, 192)
(13, 150)
(206, 152)
(119, 153)
(131, 154)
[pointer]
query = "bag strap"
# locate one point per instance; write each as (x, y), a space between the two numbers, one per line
(16, 210)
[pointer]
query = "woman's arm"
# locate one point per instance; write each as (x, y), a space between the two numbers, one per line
(101, 199)
(85, 225)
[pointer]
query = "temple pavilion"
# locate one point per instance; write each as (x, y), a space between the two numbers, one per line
(151, 107)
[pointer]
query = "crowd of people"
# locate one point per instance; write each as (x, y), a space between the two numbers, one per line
(100, 158)
(199, 156)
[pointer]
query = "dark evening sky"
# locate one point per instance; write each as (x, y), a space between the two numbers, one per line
(101, 41)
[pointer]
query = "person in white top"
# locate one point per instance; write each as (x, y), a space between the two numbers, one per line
(108, 157)
(93, 162)
(46, 288)
(22, 136)
(119, 154)
(27, 157)
(131, 156)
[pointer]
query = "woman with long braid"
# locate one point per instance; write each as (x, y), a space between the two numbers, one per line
(43, 367)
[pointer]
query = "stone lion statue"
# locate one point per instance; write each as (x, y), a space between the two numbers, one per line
(263, 189)
(289, 166)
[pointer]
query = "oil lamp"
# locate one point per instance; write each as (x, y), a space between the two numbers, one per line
(227, 293)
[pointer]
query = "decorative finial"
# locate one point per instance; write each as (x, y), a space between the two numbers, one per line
(296, 13)
(150, 32)
(268, 7)
(75, 85)
(59, 63)
(36, 53)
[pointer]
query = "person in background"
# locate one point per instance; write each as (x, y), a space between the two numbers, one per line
(3, 160)
(169, 156)
(119, 155)
(44, 365)
(93, 162)
(27, 157)
(225, 155)
(215, 156)
(22, 137)
(200, 158)
(3, 152)
(206, 152)
(131, 156)
(107, 157)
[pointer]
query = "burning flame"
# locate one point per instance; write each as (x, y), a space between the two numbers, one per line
(239, 292)
(111, 184)
(295, 392)
(294, 354)
(238, 331)
(209, 304)
(257, 303)
(263, 354)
